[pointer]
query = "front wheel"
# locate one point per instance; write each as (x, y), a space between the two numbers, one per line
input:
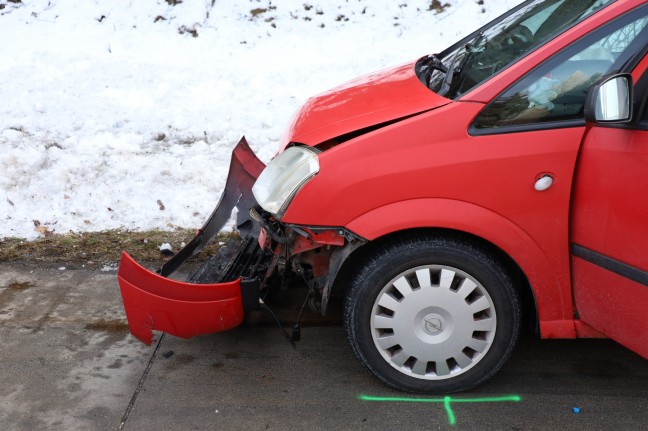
(434, 315)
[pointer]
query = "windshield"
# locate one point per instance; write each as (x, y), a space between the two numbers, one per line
(464, 66)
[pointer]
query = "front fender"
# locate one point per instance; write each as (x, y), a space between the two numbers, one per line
(553, 297)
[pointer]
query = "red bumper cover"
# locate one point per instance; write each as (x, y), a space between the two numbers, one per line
(181, 309)
(155, 302)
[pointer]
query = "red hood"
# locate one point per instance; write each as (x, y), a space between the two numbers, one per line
(363, 102)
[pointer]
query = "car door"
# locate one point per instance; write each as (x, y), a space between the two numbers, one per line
(545, 109)
(609, 239)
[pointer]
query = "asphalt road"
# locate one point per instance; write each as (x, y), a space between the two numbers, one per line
(68, 363)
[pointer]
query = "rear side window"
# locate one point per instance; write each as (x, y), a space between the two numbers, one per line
(557, 90)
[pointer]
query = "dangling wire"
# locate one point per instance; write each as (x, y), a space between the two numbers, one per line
(276, 319)
(296, 329)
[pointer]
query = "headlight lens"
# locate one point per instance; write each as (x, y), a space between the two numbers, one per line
(283, 177)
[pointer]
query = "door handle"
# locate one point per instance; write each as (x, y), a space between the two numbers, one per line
(543, 183)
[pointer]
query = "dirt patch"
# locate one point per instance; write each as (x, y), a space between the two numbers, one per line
(20, 286)
(110, 326)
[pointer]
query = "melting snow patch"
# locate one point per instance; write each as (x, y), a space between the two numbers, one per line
(109, 267)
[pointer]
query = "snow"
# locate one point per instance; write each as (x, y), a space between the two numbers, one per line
(123, 114)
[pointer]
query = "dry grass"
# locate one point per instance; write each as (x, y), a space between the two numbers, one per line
(100, 248)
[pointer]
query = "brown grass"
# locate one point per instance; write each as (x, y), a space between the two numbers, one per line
(99, 248)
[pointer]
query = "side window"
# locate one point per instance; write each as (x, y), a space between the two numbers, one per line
(557, 90)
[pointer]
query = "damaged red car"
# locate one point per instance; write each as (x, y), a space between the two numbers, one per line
(498, 184)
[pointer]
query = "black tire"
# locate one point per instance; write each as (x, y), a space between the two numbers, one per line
(429, 323)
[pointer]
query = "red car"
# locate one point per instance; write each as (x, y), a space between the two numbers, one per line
(496, 184)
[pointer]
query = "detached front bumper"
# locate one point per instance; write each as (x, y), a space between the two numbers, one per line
(186, 309)
(181, 309)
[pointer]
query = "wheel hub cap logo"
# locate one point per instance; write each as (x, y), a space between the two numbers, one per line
(433, 325)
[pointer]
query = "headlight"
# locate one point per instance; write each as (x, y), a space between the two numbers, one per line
(283, 177)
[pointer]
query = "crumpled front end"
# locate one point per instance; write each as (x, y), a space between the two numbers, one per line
(230, 283)
(217, 296)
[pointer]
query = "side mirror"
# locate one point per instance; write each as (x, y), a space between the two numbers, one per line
(610, 100)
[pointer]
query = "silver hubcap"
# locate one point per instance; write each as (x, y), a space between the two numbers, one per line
(433, 322)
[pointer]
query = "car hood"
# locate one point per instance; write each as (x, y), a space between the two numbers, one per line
(366, 101)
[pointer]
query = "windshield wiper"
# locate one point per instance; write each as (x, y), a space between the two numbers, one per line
(469, 50)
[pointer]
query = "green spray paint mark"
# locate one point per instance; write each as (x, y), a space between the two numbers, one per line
(446, 401)
(451, 416)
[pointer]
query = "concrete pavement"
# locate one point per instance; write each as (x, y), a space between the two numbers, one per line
(68, 362)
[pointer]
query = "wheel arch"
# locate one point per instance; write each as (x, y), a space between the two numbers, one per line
(527, 297)
(539, 288)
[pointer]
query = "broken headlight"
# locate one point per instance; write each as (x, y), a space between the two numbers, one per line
(283, 177)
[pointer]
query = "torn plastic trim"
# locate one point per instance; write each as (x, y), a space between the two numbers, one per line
(338, 258)
(155, 302)
(244, 169)
(280, 232)
(344, 241)
(327, 235)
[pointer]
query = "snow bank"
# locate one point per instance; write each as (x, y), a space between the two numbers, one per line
(122, 114)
